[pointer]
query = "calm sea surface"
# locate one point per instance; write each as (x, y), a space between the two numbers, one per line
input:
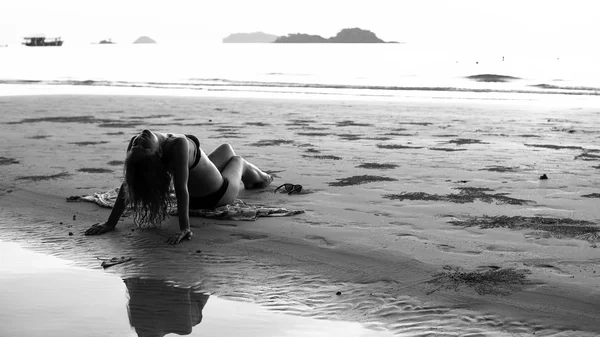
(351, 69)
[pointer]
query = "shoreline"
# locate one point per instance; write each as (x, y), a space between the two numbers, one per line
(351, 238)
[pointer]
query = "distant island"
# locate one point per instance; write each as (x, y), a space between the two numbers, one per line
(347, 35)
(256, 37)
(106, 42)
(144, 39)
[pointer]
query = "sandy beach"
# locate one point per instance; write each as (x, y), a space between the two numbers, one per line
(422, 217)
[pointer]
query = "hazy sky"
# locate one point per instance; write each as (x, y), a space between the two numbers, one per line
(527, 22)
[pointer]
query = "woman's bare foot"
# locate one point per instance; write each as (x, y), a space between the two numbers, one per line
(265, 180)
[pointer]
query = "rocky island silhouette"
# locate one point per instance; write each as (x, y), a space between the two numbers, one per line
(256, 37)
(347, 35)
(144, 39)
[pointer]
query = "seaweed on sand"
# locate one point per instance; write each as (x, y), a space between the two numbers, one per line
(88, 143)
(349, 136)
(466, 195)
(463, 141)
(555, 147)
(587, 156)
(397, 146)
(314, 134)
(257, 124)
(445, 149)
(351, 123)
(116, 163)
(45, 177)
(8, 161)
(554, 227)
(358, 180)
(501, 281)
(377, 166)
(497, 168)
(323, 156)
(130, 124)
(591, 195)
(58, 119)
(94, 170)
(272, 142)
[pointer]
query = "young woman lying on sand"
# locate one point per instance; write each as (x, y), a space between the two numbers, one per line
(154, 160)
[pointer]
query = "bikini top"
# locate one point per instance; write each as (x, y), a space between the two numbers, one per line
(198, 153)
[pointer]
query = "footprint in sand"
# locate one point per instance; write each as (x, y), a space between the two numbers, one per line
(319, 240)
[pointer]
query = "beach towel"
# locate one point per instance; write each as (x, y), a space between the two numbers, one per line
(238, 210)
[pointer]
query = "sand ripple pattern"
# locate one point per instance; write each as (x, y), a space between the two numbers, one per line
(378, 305)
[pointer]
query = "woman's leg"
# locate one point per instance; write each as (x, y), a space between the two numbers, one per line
(236, 168)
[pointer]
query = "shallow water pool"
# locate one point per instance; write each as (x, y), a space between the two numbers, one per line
(45, 296)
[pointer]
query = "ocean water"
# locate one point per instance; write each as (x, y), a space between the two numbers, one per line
(323, 69)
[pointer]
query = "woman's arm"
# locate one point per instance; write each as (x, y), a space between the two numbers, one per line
(113, 218)
(180, 158)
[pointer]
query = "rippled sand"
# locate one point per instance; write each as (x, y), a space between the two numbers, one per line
(383, 183)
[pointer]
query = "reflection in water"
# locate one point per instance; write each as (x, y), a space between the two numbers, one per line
(157, 308)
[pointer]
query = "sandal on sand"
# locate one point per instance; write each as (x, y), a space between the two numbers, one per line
(290, 188)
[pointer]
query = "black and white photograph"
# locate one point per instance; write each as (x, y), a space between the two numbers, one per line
(299, 168)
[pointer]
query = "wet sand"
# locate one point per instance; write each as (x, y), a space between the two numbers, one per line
(426, 217)
(46, 296)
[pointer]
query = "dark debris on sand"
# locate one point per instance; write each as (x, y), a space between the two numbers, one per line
(257, 124)
(554, 227)
(94, 170)
(377, 166)
(358, 180)
(397, 146)
(351, 123)
(350, 136)
(88, 143)
(466, 195)
(445, 149)
(102, 122)
(314, 134)
(323, 156)
(45, 177)
(463, 141)
(493, 281)
(272, 142)
(555, 147)
(116, 163)
(8, 161)
(59, 119)
(497, 168)
(587, 156)
(591, 195)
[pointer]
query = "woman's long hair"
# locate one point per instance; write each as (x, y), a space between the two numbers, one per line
(147, 184)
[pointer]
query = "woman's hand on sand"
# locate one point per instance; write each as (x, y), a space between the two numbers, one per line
(177, 237)
(98, 229)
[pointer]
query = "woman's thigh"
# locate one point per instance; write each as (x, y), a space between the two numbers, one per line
(233, 172)
(221, 156)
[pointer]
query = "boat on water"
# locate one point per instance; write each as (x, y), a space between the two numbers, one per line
(42, 41)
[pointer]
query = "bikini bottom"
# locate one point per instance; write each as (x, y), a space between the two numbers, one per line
(209, 201)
